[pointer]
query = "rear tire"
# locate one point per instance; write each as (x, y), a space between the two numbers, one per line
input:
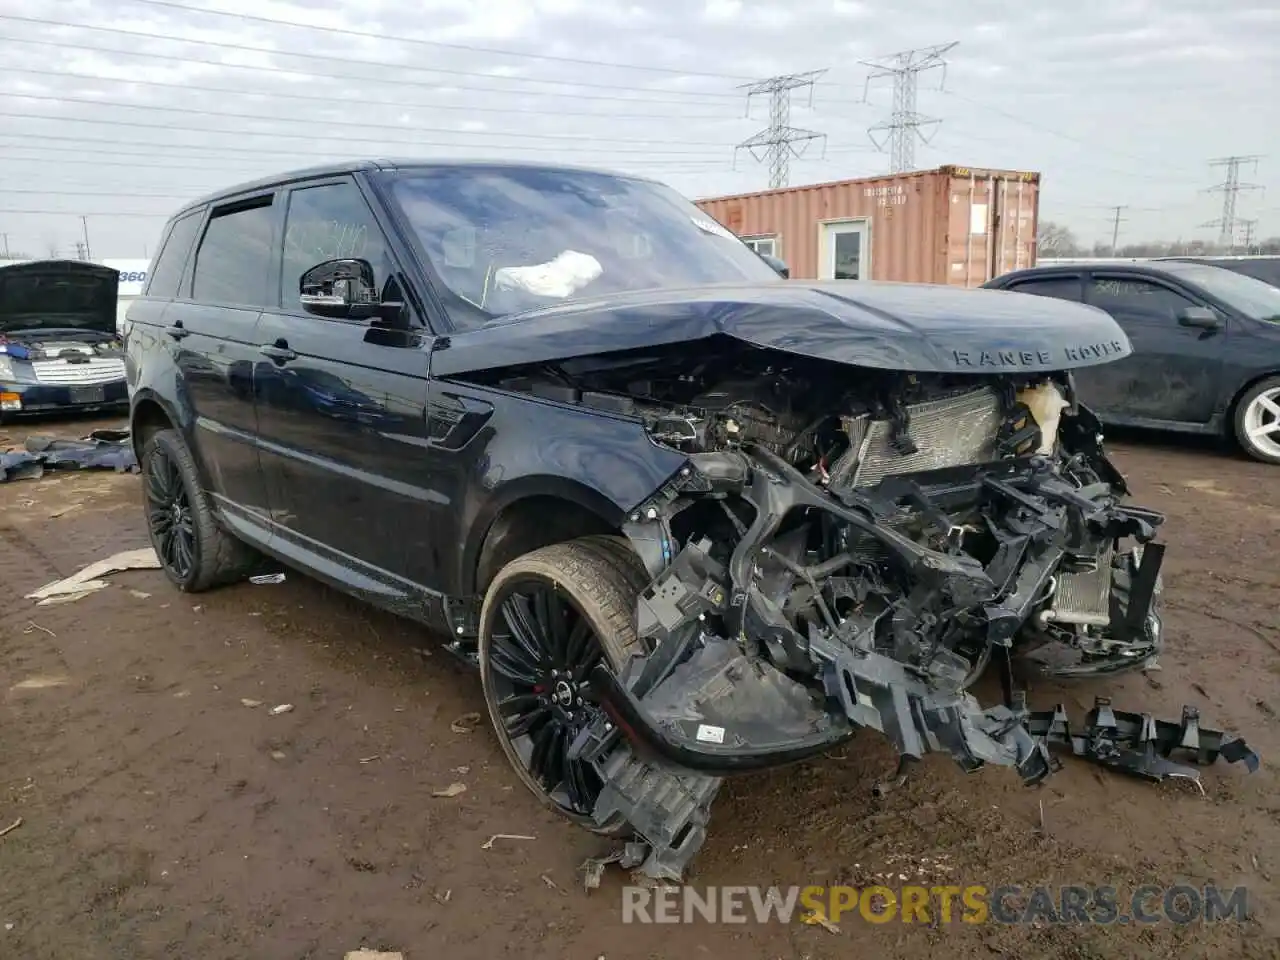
(573, 606)
(1257, 421)
(195, 553)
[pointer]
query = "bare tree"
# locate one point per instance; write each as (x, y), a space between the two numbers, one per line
(1055, 240)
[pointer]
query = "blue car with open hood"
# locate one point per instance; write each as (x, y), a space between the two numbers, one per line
(59, 349)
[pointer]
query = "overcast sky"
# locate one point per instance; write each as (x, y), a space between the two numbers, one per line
(1113, 101)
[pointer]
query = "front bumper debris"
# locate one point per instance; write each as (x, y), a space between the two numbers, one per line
(822, 610)
(100, 450)
(1138, 744)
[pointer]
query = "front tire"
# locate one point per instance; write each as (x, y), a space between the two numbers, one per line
(547, 619)
(195, 553)
(1257, 421)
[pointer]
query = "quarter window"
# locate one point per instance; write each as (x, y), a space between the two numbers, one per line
(1060, 288)
(234, 259)
(166, 275)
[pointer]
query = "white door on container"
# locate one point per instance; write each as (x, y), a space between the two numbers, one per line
(845, 251)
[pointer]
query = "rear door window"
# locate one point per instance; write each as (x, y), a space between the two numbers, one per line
(233, 263)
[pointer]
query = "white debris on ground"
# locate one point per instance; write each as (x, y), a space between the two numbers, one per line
(910, 868)
(373, 955)
(89, 580)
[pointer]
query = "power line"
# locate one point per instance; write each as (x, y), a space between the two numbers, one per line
(363, 102)
(686, 98)
(189, 111)
(331, 58)
(368, 35)
(1230, 189)
(525, 55)
(286, 71)
(93, 193)
(312, 155)
(77, 214)
(948, 135)
(1051, 131)
(906, 124)
(311, 137)
(142, 161)
(779, 139)
(404, 82)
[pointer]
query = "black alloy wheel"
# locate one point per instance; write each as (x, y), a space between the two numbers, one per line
(169, 516)
(548, 619)
(194, 551)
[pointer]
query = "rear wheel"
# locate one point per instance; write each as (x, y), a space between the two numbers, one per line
(547, 620)
(1257, 421)
(195, 553)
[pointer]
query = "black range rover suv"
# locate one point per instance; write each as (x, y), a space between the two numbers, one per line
(688, 518)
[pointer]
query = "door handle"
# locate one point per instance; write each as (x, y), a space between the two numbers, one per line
(176, 332)
(279, 352)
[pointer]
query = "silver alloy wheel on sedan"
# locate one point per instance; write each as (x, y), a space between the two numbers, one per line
(1261, 423)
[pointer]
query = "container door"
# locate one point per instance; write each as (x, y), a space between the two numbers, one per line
(846, 251)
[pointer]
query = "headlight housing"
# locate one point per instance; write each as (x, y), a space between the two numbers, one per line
(6, 368)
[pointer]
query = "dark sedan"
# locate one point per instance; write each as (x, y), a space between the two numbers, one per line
(1206, 346)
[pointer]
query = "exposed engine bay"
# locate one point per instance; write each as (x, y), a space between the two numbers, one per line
(72, 346)
(849, 548)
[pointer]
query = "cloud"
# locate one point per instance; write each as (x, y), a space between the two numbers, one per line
(1114, 101)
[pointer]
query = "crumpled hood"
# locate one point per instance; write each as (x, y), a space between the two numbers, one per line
(63, 295)
(925, 328)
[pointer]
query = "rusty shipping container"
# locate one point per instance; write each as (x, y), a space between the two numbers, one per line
(956, 225)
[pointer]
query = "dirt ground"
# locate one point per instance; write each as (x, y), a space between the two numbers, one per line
(162, 817)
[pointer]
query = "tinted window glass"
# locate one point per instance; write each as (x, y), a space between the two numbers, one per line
(166, 275)
(1063, 288)
(329, 222)
(1266, 269)
(234, 259)
(1136, 298)
(1250, 296)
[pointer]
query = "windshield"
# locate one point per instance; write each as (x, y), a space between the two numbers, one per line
(504, 240)
(1256, 299)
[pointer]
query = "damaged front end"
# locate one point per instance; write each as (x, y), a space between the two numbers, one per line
(861, 569)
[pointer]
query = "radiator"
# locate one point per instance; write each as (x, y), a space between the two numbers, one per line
(1084, 598)
(952, 432)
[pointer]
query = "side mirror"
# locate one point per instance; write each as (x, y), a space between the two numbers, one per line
(779, 266)
(1199, 318)
(339, 289)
